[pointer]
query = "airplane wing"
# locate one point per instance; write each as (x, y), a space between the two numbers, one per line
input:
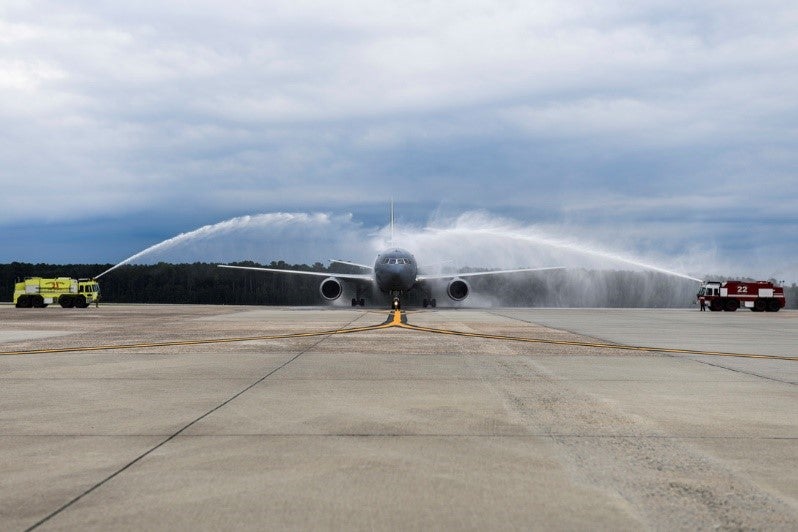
(348, 276)
(346, 262)
(423, 278)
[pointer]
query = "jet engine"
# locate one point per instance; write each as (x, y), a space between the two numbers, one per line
(458, 289)
(331, 289)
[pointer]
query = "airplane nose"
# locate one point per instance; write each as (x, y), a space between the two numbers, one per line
(395, 276)
(392, 278)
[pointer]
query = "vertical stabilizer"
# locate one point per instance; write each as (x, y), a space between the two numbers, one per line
(391, 242)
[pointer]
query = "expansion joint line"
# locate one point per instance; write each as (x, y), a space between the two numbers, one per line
(178, 433)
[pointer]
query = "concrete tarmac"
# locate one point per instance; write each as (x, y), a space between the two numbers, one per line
(396, 427)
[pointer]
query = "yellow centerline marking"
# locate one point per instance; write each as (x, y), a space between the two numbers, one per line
(396, 321)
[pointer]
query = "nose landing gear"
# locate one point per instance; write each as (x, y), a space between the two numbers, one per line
(397, 304)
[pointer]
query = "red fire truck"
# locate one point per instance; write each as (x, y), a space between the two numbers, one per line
(759, 296)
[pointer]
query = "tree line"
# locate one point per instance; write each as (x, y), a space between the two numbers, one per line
(203, 283)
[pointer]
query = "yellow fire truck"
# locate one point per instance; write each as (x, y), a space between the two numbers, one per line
(39, 292)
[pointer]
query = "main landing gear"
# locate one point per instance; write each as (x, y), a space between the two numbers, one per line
(429, 301)
(358, 299)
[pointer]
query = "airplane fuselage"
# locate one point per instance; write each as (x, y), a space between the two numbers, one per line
(395, 270)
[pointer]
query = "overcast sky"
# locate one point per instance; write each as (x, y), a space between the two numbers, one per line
(657, 128)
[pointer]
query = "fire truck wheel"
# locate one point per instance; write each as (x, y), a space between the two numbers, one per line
(732, 305)
(760, 305)
(715, 306)
(23, 302)
(66, 301)
(773, 305)
(80, 302)
(38, 302)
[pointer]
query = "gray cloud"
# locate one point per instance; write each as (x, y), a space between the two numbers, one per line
(666, 122)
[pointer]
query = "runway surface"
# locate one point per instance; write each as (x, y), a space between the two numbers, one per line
(177, 417)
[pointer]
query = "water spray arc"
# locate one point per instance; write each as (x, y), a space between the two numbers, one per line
(228, 226)
(563, 245)
(478, 240)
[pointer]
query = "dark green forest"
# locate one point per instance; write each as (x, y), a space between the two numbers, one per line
(202, 283)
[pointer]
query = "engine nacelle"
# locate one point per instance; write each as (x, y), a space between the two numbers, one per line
(331, 289)
(458, 289)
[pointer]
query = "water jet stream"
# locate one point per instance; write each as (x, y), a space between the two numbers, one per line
(241, 222)
(561, 244)
(436, 241)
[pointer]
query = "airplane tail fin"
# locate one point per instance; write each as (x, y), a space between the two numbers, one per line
(392, 239)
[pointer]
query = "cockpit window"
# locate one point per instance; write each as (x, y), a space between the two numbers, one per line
(399, 260)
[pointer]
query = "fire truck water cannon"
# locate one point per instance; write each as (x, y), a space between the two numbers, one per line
(759, 296)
